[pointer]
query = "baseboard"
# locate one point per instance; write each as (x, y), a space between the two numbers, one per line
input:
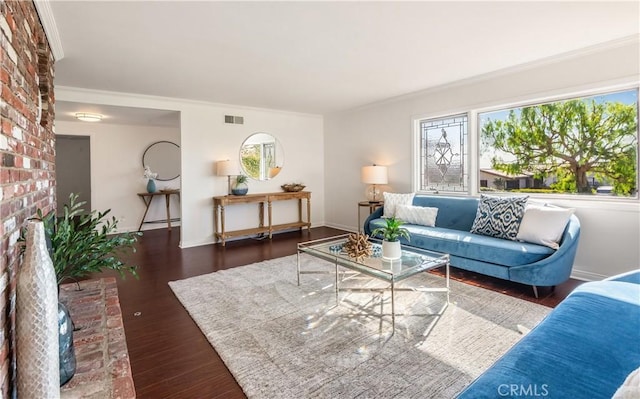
(192, 244)
(125, 229)
(587, 276)
(129, 229)
(341, 227)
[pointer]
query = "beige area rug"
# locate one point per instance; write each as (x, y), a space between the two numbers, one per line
(280, 340)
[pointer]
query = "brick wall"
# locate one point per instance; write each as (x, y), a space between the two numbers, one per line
(27, 151)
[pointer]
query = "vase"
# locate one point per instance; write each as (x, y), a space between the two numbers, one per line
(67, 353)
(240, 189)
(391, 250)
(151, 186)
(37, 359)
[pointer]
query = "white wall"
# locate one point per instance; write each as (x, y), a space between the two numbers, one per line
(383, 134)
(116, 170)
(205, 138)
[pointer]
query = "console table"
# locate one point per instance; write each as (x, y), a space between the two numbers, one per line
(148, 197)
(219, 204)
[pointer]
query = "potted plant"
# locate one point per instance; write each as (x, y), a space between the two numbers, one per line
(84, 243)
(391, 234)
(241, 187)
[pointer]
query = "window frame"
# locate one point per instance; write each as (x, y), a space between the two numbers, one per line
(560, 98)
(473, 140)
(416, 143)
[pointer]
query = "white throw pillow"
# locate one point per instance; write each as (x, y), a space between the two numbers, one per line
(421, 215)
(630, 389)
(392, 200)
(544, 224)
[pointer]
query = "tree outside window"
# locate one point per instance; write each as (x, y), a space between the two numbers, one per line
(583, 145)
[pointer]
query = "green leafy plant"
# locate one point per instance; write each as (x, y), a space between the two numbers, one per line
(241, 179)
(84, 243)
(393, 230)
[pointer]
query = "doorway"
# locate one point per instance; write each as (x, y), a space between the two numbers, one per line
(73, 170)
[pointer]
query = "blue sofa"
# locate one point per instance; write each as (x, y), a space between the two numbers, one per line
(526, 263)
(585, 348)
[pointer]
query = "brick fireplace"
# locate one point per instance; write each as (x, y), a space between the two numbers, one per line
(27, 152)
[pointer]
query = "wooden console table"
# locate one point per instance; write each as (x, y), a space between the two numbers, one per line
(219, 204)
(148, 197)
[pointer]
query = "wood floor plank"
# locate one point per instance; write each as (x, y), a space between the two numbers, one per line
(170, 357)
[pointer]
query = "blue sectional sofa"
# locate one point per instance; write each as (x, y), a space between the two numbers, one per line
(532, 264)
(585, 348)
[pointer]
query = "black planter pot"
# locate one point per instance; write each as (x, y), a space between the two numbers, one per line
(66, 351)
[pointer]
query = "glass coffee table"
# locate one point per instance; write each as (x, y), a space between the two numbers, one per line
(412, 262)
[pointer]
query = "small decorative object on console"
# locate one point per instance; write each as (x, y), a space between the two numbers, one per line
(150, 176)
(358, 246)
(293, 187)
(241, 187)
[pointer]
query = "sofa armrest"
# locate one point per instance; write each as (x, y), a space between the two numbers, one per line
(629, 277)
(375, 215)
(556, 268)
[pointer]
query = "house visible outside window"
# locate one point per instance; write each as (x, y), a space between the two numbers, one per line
(443, 154)
(586, 146)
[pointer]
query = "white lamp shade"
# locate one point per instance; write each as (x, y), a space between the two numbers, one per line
(227, 168)
(374, 174)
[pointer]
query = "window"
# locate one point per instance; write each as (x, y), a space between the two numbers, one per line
(443, 154)
(586, 145)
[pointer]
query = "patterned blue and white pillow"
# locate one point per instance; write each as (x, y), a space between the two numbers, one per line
(499, 216)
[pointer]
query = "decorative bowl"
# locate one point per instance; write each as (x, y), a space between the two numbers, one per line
(292, 187)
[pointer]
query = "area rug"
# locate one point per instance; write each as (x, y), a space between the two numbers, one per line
(281, 340)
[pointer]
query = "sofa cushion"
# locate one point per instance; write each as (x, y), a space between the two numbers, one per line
(473, 246)
(422, 215)
(499, 216)
(585, 348)
(453, 212)
(544, 224)
(392, 200)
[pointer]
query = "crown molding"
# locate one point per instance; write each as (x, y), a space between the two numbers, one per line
(123, 99)
(43, 8)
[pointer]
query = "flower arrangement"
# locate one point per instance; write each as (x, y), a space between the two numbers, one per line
(148, 174)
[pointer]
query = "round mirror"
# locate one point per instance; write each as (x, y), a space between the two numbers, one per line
(261, 156)
(163, 158)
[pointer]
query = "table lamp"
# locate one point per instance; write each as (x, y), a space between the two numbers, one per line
(228, 168)
(374, 175)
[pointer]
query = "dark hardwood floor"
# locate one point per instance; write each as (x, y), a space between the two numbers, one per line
(170, 358)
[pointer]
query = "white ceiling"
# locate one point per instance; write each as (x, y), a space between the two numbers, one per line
(66, 110)
(316, 57)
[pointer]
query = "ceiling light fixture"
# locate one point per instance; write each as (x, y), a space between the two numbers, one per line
(87, 117)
